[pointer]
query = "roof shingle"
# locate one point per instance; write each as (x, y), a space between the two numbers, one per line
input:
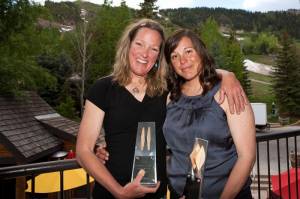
(21, 133)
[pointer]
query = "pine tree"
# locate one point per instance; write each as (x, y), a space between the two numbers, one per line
(286, 78)
(210, 34)
(238, 64)
(226, 52)
(148, 9)
(246, 82)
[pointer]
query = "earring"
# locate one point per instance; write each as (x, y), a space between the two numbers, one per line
(156, 65)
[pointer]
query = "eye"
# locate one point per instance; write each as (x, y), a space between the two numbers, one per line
(174, 57)
(189, 51)
(155, 49)
(138, 43)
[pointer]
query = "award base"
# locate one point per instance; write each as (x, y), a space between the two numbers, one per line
(193, 187)
(145, 154)
(147, 164)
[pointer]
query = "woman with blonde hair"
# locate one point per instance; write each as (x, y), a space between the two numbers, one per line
(135, 92)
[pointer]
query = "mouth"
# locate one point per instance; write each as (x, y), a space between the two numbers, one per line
(142, 61)
(184, 68)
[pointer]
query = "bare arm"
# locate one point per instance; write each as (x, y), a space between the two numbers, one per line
(243, 133)
(232, 88)
(88, 132)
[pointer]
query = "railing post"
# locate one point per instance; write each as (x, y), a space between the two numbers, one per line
(288, 165)
(61, 175)
(32, 186)
(88, 186)
(278, 160)
(269, 168)
(296, 166)
(258, 170)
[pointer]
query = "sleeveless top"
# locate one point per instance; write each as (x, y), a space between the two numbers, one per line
(199, 116)
(122, 114)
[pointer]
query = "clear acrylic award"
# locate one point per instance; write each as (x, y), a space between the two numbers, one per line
(194, 180)
(145, 153)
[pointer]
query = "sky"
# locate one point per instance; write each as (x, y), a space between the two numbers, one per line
(249, 5)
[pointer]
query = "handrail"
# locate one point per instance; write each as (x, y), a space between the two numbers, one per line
(37, 168)
(277, 133)
(263, 137)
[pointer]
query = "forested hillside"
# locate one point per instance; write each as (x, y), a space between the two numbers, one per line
(238, 19)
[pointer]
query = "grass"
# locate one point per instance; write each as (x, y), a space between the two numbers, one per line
(260, 77)
(262, 92)
(298, 48)
(264, 59)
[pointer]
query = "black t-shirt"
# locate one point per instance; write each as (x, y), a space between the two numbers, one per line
(122, 114)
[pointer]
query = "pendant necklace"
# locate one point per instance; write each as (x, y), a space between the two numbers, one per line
(135, 90)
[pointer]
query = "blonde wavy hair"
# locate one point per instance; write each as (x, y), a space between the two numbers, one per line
(156, 77)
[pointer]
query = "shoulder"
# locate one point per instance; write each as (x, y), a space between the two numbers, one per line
(217, 94)
(224, 105)
(100, 92)
(102, 84)
(107, 80)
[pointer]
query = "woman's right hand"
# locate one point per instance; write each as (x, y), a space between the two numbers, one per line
(134, 189)
(102, 153)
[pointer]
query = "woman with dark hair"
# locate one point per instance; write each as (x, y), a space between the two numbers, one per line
(193, 112)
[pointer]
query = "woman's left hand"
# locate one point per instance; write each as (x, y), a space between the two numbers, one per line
(234, 92)
(102, 153)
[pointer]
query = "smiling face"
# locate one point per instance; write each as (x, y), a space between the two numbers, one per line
(186, 60)
(144, 51)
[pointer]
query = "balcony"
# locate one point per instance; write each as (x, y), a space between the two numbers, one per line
(276, 157)
(272, 175)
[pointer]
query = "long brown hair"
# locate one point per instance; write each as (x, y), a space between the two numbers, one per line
(207, 77)
(156, 80)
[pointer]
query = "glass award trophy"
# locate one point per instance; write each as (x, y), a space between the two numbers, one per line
(194, 180)
(145, 153)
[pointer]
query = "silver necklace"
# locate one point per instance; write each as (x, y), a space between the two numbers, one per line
(135, 90)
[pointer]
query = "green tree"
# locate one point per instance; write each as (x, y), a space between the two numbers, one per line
(65, 12)
(234, 61)
(148, 9)
(287, 78)
(18, 68)
(66, 108)
(233, 56)
(14, 17)
(226, 52)
(61, 67)
(248, 45)
(107, 27)
(266, 43)
(210, 34)
(263, 43)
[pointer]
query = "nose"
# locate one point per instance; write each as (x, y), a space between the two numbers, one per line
(182, 59)
(145, 52)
